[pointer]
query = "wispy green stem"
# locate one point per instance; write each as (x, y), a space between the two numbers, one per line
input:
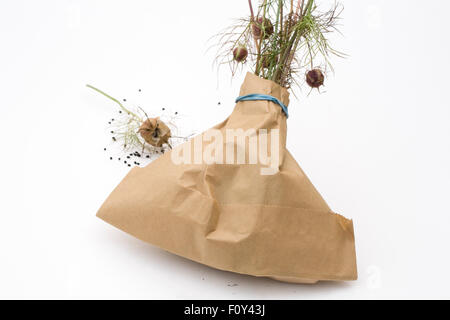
(116, 101)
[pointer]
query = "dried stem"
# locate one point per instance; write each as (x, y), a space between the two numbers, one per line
(297, 42)
(116, 101)
(251, 10)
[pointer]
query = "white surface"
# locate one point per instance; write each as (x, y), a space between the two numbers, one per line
(376, 145)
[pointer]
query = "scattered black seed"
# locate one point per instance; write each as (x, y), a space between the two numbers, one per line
(104, 149)
(112, 119)
(124, 100)
(148, 156)
(114, 139)
(119, 159)
(176, 112)
(140, 90)
(163, 109)
(125, 162)
(109, 122)
(112, 131)
(128, 157)
(129, 165)
(219, 103)
(120, 111)
(110, 158)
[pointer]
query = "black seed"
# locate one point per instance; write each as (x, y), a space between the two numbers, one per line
(140, 90)
(119, 159)
(164, 109)
(176, 112)
(124, 100)
(124, 162)
(120, 111)
(219, 103)
(148, 156)
(114, 139)
(109, 122)
(128, 157)
(104, 149)
(110, 158)
(112, 119)
(112, 131)
(129, 165)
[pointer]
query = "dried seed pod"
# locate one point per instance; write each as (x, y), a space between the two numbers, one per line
(262, 27)
(240, 53)
(155, 132)
(315, 78)
(266, 61)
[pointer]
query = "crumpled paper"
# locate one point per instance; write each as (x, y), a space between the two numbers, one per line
(230, 216)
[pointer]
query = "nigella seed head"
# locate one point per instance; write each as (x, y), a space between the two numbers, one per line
(262, 27)
(240, 53)
(315, 78)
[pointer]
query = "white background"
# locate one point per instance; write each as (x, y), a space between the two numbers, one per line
(375, 144)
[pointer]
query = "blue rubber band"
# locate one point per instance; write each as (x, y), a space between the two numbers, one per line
(259, 97)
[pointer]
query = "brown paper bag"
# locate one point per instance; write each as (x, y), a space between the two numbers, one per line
(231, 216)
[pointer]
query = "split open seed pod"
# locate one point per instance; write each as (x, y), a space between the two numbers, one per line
(155, 132)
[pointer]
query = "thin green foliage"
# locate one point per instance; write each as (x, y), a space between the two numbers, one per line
(297, 42)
